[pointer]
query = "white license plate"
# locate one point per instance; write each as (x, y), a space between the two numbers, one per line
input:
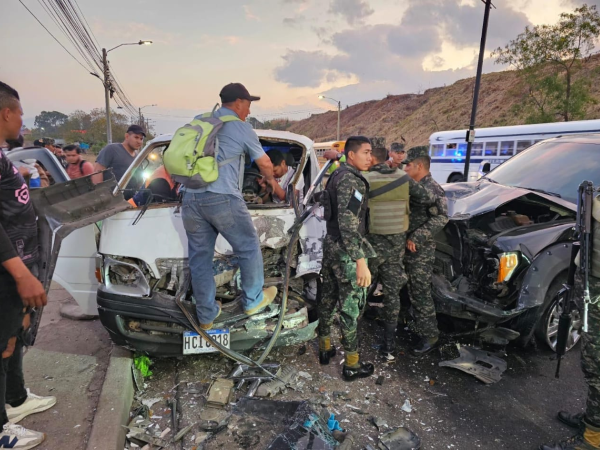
(194, 344)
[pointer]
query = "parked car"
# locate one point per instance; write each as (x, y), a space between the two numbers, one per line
(505, 251)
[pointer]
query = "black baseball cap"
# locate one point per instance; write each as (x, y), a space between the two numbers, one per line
(233, 91)
(136, 129)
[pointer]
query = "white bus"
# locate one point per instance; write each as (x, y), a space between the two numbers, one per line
(492, 146)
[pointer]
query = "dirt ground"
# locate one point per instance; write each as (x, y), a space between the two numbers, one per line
(450, 409)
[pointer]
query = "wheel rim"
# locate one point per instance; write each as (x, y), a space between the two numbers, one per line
(552, 326)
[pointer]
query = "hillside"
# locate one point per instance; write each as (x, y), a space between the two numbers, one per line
(416, 116)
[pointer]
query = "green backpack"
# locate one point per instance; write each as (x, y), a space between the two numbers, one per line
(192, 156)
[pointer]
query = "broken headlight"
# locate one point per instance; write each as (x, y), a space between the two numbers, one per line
(125, 278)
(508, 264)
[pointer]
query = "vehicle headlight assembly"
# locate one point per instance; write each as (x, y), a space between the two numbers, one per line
(125, 278)
(508, 264)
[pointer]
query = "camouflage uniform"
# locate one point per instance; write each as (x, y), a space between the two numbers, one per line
(339, 262)
(590, 356)
(388, 264)
(425, 223)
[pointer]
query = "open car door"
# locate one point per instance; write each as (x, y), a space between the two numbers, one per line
(62, 208)
(76, 264)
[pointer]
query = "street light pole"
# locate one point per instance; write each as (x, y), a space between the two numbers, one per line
(339, 103)
(107, 84)
(107, 95)
(471, 133)
(140, 117)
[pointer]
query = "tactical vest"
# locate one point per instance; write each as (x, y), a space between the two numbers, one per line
(333, 226)
(388, 202)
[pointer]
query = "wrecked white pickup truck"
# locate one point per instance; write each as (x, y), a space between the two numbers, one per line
(138, 256)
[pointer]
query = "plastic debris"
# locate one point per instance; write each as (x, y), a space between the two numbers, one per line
(333, 424)
(481, 364)
(150, 401)
(272, 388)
(143, 363)
(407, 407)
(380, 380)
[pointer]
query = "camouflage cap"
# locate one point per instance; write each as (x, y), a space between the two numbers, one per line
(397, 147)
(46, 141)
(416, 152)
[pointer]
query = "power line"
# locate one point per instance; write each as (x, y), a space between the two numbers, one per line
(53, 37)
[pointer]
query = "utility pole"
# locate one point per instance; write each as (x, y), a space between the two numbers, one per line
(471, 133)
(107, 95)
(339, 113)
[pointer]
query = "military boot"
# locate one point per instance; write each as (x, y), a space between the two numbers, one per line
(326, 350)
(389, 341)
(424, 346)
(354, 369)
(588, 440)
(572, 420)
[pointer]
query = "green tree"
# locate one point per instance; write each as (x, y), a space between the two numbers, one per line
(50, 121)
(549, 58)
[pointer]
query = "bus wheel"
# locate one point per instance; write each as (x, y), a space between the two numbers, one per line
(455, 178)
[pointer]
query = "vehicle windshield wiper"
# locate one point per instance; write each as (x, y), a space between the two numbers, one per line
(553, 194)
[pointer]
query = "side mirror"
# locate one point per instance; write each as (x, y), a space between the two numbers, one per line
(484, 167)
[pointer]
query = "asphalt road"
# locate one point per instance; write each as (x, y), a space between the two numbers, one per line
(451, 409)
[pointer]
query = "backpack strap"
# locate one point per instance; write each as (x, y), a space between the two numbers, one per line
(390, 186)
(81, 163)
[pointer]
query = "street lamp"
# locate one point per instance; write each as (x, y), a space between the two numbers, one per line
(107, 85)
(140, 118)
(321, 97)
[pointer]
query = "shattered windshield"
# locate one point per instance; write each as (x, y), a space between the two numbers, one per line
(555, 167)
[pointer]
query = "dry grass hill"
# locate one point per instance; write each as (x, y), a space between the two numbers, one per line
(416, 116)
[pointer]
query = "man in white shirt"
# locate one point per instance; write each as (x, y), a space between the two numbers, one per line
(283, 174)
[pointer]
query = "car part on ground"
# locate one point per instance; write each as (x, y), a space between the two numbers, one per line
(481, 364)
(400, 439)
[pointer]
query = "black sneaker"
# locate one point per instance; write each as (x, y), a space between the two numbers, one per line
(572, 420)
(326, 355)
(576, 442)
(363, 371)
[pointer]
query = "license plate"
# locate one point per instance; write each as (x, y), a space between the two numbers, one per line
(194, 344)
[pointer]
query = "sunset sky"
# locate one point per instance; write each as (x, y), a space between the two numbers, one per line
(287, 51)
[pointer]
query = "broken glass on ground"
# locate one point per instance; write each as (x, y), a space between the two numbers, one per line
(481, 364)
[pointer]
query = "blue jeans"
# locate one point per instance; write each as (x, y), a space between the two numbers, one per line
(204, 216)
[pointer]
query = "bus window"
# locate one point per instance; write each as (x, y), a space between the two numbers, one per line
(477, 149)
(522, 145)
(437, 150)
(491, 149)
(456, 150)
(507, 148)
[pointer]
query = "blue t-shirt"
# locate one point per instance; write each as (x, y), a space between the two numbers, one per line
(236, 139)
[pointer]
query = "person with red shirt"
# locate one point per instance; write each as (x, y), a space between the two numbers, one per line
(77, 167)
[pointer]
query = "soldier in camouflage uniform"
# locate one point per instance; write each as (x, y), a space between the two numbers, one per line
(389, 195)
(345, 251)
(588, 423)
(425, 223)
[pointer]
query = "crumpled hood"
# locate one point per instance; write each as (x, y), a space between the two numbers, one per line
(478, 197)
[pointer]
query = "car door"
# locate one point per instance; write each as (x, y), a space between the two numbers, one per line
(74, 267)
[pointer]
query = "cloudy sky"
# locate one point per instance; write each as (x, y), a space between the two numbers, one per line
(287, 51)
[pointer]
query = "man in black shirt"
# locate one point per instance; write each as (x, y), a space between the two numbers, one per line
(19, 288)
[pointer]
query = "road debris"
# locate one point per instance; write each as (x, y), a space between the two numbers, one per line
(379, 423)
(481, 364)
(400, 439)
(380, 380)
(220, 392)
(272, 388)
(407, 407)
(183, 432)
(143, 363)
